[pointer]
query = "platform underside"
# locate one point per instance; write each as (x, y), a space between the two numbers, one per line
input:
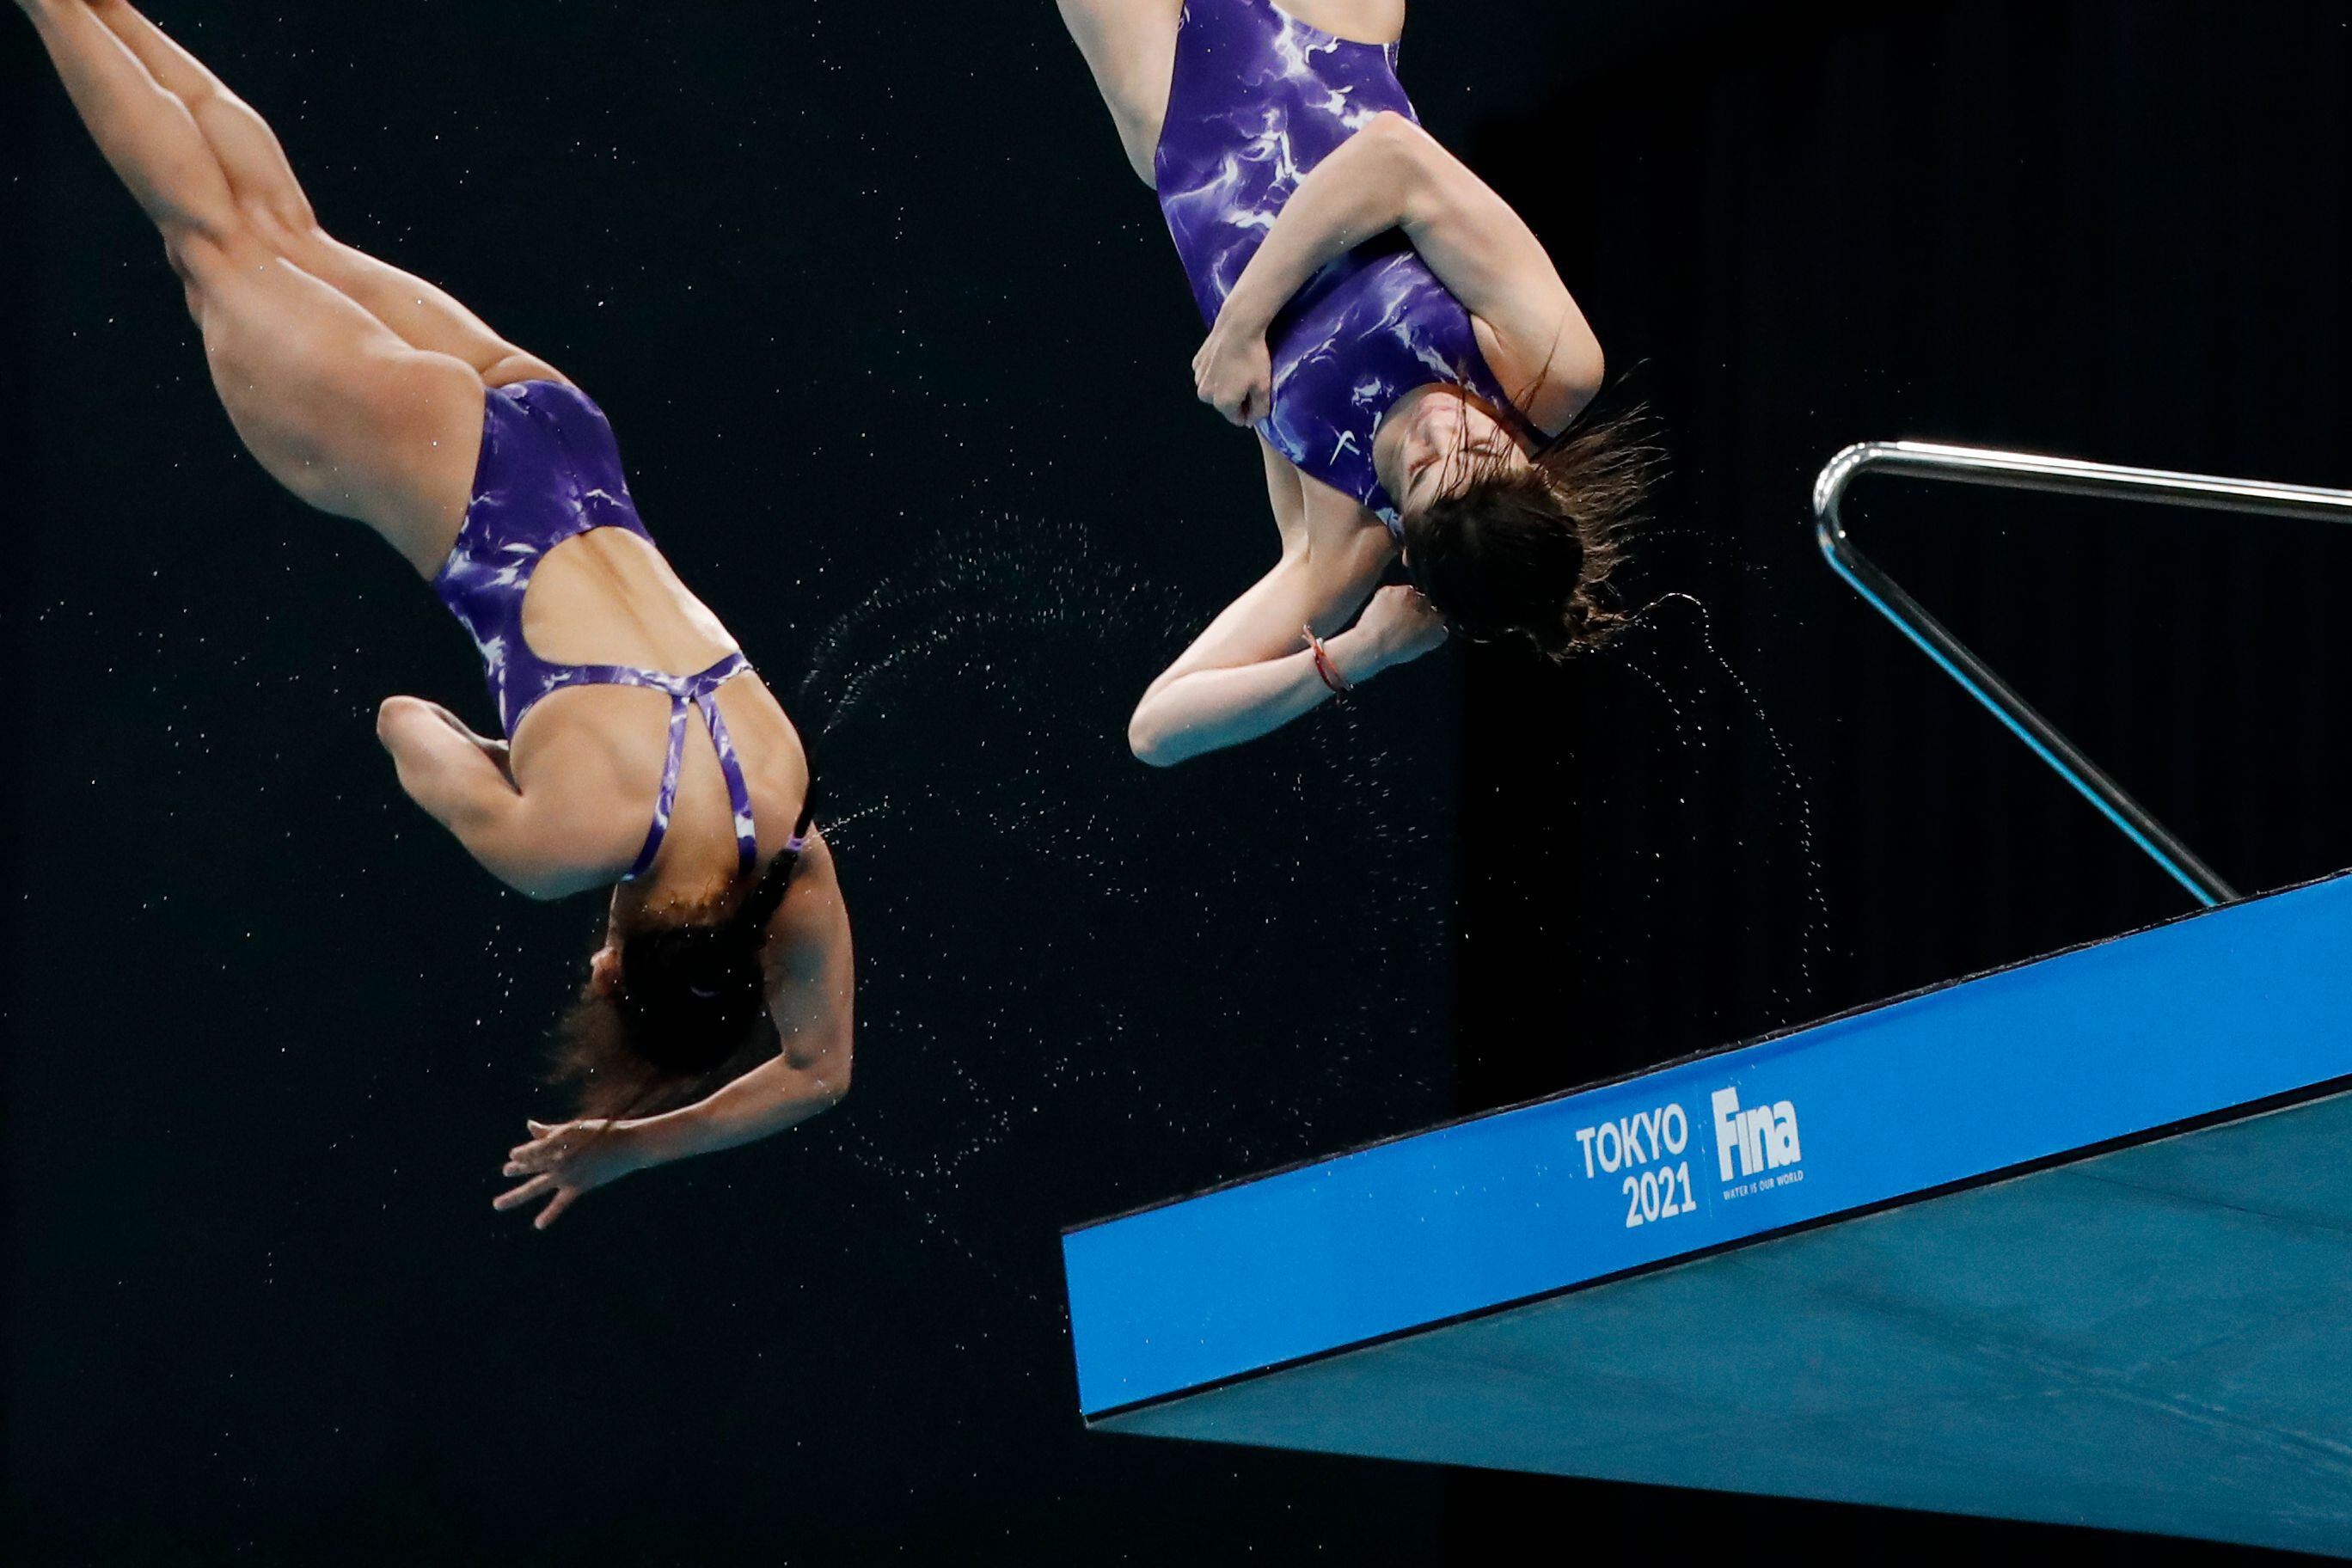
(2155, 1339)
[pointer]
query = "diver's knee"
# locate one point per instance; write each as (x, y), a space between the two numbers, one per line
(1149, 740)
(393, 712)
(199, 245)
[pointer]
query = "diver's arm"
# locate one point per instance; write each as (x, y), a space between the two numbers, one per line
(1394, 175)
(810, 976)
(776, 1095)
(811, 992)
(564, 1159)
(1252, 670)
(1185, 715)
(466, 783)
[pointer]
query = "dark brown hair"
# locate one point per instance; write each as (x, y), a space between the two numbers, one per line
(688, 1006)
(1525, 553)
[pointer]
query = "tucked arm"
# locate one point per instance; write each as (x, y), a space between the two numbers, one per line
(1251, 671)
(1394, 175)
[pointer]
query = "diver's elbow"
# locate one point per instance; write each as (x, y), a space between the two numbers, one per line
(1392, 135)
(1405, 155)
(1588, 371)
(833, 1088)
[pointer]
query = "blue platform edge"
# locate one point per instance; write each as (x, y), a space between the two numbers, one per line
(2216, 1010)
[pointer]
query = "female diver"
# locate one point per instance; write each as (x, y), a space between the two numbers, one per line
(373, 395)
(1399, 339)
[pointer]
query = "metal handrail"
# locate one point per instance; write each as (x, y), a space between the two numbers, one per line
(2061, 476)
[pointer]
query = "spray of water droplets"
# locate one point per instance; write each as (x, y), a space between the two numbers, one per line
(1085, 983)
(1656, 655)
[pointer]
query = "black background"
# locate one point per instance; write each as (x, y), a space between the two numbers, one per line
(897, 353)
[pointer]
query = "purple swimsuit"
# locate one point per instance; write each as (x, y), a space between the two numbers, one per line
(1259, 99)
(550, 471)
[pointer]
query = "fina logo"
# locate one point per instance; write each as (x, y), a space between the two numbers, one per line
(1765, 1138)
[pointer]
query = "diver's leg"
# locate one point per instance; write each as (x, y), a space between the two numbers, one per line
(271, 200)
(333, 404)
(1130, 45)
(145, 133)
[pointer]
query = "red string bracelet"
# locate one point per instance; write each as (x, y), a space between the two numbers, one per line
(1324, 666)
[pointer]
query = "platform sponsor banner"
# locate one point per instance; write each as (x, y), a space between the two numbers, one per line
(2223, 1009)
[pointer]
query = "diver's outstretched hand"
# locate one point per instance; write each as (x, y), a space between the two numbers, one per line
(1234, 372)
(567, 1160)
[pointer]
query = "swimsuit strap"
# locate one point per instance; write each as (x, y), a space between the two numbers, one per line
(799, 840)
(698, 691)
(738, 790)
(767, 897)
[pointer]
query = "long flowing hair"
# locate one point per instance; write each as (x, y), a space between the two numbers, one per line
(1525, 553)
(686, 1009)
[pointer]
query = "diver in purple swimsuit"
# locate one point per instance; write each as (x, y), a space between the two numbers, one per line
(639, 747)
(1403, 347)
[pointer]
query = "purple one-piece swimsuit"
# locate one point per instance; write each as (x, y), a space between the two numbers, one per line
(1258, 99)
(549, 471)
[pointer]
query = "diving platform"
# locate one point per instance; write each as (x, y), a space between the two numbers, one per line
(2070, 1241)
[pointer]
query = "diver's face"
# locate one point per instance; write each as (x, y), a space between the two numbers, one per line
(1447, 438)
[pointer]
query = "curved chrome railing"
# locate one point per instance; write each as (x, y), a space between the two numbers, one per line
(2026, 471)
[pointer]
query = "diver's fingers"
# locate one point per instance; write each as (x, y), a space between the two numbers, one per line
(555, 1205)
(549, 1144)
(526, 1157)
(516, 1198)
